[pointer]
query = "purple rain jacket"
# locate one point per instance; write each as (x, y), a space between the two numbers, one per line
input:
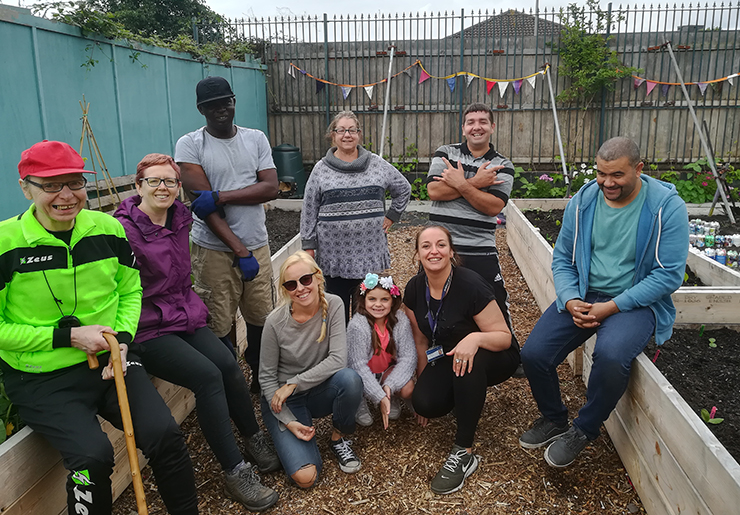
(169, 305)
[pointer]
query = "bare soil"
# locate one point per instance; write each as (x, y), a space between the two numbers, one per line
(398, 464)
(703, 375)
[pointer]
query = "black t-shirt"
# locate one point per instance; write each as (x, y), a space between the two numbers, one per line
(468, 295)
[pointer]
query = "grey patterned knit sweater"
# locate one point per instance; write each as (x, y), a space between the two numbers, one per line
(343, 211)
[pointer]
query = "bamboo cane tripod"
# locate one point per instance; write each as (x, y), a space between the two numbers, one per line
(95, 155)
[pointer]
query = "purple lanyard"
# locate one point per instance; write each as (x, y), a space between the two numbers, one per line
(432, 319)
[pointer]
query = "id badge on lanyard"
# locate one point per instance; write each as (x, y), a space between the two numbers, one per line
(435, 351)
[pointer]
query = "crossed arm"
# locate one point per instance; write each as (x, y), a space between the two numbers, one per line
(452, 184)
(266, 188)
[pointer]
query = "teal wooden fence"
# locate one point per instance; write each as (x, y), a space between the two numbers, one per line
(137, 105)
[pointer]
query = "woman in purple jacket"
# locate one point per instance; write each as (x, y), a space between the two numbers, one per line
(173, 340)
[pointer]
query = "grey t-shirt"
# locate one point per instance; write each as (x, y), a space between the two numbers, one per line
(229, 164)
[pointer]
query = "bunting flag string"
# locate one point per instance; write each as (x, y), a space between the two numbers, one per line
(424, 75)
(722, 79)
(702, 87)
(651, 86)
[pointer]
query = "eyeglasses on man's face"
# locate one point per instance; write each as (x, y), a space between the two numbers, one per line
(56, 187)
(305, 280)
(342, 130)
(154, 182)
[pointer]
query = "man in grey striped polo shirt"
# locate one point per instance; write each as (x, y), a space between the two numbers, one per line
(469, 184)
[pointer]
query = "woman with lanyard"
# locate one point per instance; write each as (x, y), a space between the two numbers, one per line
(463, 347)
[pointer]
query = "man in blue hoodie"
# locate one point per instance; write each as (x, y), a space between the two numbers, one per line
(620, 254)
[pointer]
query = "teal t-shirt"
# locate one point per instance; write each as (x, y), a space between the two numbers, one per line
(613, 242)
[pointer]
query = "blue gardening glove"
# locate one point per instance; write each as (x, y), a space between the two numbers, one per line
(205, 204)
(248, 265)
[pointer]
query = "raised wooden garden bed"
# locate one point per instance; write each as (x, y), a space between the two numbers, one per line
(32, 476)
(676, 464)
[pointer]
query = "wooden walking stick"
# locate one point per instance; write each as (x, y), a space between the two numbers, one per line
(128, 426)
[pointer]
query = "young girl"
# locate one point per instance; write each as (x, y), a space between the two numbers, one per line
(380, 347)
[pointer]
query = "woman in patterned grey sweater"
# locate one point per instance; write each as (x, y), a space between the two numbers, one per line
(344, 221)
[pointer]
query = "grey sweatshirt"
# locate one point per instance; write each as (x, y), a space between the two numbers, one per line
(290, 353)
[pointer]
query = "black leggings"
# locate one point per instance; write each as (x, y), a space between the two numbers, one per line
(62, 407)
(438, 390)
(201, 363)
(344, 288)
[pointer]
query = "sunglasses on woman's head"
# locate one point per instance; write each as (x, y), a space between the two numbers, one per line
(305, 280)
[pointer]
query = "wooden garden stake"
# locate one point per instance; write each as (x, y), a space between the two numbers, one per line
(128, 426)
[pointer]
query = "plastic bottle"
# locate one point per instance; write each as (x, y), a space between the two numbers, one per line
(711, 254)
(721, 256)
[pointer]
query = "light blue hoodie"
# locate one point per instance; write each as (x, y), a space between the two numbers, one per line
(661, 251)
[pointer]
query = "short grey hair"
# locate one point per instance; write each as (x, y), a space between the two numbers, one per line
(619, 147)
(333, 125)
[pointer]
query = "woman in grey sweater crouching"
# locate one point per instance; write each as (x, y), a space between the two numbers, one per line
(303, 373)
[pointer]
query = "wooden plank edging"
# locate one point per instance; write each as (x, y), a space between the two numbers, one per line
(676, 464)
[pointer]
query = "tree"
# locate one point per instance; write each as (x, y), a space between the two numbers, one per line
(585, 56)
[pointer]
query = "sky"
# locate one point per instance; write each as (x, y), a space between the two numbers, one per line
(241, 8)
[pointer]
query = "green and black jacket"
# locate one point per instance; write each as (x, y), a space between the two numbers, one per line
(96, 272)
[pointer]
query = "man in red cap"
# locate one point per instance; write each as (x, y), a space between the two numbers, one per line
(67, 275)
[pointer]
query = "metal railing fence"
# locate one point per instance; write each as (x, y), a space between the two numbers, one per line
(320, 65)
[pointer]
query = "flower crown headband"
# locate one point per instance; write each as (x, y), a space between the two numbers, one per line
(372, 280)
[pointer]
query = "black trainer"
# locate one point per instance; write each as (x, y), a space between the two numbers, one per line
(542, 432)
(564, 451)
(348, 460)
(263, 453)
(244, 486)
(451, 477)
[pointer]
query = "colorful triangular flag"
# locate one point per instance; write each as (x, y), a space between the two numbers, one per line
(423, 75)
(345, 91)
(532, 80)
(451, 83)
(489, 86)
(517, 85)
(502, 88)
(302, 71)
(664, 89)
(320, 86)
(650, 87)
(369, 91)
(638, 82)
(469, 79)
(730, 77)
(702, 86)
(407, 72)
(291, 71)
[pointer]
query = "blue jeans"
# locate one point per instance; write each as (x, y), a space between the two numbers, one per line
(339, 396)
(619, 339)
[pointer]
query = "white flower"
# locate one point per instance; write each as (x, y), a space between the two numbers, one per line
(386, 282)
(583, 166)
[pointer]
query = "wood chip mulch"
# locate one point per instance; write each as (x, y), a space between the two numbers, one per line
(398, 464)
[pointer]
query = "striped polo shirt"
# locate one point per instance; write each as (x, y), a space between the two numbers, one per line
(472, 231)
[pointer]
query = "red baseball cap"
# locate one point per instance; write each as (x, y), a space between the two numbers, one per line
(49, 159)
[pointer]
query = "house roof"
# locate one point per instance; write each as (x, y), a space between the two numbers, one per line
(511, 23)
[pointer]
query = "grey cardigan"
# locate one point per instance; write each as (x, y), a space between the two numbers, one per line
(360, 350)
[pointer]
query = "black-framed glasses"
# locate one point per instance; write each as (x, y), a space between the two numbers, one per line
(154, 182)
(341, 131)
(305, 280)
(56, 187)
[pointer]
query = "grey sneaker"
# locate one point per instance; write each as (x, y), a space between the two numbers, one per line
(363, 416)
(565, 450)
(262, 451)
(451, 477)
(244, 486)
(348, 460)
(542, 433)
(395, 412)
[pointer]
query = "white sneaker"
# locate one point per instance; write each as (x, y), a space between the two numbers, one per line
(363, 416)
